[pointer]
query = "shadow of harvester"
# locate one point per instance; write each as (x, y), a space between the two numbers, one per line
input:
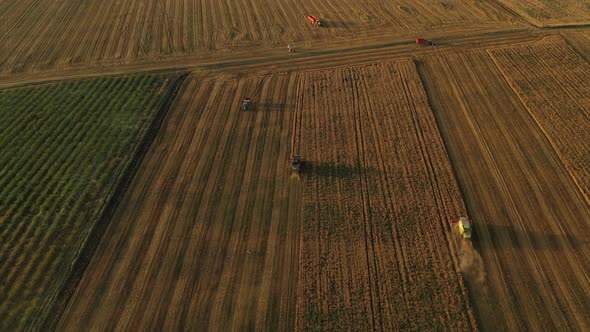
(508, 236)
(324, 169)
(337, 24)
(274, 107)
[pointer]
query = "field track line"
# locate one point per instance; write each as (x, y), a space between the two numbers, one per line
(513, 13)
(369, 234)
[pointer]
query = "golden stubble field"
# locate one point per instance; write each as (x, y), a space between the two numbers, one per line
(216, 233)
(39, 35)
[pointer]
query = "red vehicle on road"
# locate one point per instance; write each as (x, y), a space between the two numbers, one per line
(422, 41)
(314, 20)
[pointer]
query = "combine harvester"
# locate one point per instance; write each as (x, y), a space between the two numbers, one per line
(463, 226)
(314, 20)
(296, 164)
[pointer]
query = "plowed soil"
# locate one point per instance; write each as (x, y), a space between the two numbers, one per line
(208, 236)
(531, 220)
(379, 195)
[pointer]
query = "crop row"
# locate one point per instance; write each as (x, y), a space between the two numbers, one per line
(64, 148)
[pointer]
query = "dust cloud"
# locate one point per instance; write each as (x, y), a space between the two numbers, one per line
(471, 263)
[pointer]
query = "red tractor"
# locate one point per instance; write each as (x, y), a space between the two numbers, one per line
(314, 20)
(422, 41)
(246, 103)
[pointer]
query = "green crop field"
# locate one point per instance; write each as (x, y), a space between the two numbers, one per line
(64, 150)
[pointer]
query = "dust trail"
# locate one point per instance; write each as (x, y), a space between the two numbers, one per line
(470, 261)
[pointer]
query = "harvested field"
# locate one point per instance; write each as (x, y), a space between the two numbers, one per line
(379, 194)
(579, 41)
(39, 35)
(551, 12)
(552, 82)
(207, 237)
(215, 232)
(531, 221)
(64, 149)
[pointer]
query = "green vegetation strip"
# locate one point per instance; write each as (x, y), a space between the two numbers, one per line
(65, 149)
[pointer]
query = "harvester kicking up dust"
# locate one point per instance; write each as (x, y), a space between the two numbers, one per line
(470, 260)
(463, 226)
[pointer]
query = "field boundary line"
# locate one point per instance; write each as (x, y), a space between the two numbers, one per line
(516, 14)
(296, 130)
(568, 40)
(534, 118)
(123, 73)
(94, 237)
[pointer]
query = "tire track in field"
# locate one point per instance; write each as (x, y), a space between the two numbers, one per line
(368, 226)
(248, 243)
(447, 193)
(262, 211)
(123, 26)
